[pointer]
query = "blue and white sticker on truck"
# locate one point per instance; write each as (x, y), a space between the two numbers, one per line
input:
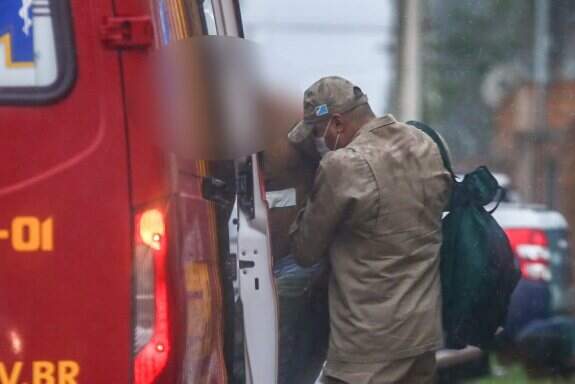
(27, 45)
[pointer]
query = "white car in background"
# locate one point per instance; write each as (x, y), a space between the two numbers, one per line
(539, 238)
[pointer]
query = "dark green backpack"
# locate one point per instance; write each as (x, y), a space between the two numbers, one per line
(477, 268)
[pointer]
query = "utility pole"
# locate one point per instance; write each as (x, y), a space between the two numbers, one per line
(540, 168)
(409, 69)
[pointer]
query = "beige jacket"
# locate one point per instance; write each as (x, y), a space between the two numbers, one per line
(375, 211)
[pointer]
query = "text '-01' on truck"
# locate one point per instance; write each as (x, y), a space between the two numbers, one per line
(121, 261)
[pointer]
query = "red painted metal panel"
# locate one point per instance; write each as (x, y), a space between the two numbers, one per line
(68, 161)
(149, 169)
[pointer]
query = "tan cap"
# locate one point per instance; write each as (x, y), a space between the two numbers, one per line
(325, 97)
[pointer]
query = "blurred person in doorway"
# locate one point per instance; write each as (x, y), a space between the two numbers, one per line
(375, 212)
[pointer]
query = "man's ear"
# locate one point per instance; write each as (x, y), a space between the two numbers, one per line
(338, 122)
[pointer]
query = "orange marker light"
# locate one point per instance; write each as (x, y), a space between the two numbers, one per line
(152, 228)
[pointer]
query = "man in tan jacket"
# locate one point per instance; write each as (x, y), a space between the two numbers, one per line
(375, 212)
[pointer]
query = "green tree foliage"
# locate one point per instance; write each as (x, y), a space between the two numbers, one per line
(464, 40)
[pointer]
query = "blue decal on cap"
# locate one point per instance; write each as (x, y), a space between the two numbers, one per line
(321, 110)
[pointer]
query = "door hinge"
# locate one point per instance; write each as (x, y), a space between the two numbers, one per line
(125, 32)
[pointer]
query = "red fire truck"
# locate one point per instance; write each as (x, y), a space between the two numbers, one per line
(115, 264)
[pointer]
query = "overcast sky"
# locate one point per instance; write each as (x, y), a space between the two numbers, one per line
(308, 39)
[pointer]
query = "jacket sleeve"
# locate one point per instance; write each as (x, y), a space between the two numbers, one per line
(316, 223)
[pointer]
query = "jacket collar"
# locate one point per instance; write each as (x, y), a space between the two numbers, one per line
(376, 123)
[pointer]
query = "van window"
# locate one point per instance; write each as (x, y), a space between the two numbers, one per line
(36, 51)
(209, 17)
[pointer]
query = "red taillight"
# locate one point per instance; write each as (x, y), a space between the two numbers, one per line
(531, 248)
(151, 342)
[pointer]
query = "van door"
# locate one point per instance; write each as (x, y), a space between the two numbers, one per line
(65, 219)
(251, 244)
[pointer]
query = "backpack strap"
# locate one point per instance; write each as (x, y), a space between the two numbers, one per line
(438, 141)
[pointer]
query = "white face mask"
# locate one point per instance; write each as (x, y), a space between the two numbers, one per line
(320, 144)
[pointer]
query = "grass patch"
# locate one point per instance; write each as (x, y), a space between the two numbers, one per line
(515, 374)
